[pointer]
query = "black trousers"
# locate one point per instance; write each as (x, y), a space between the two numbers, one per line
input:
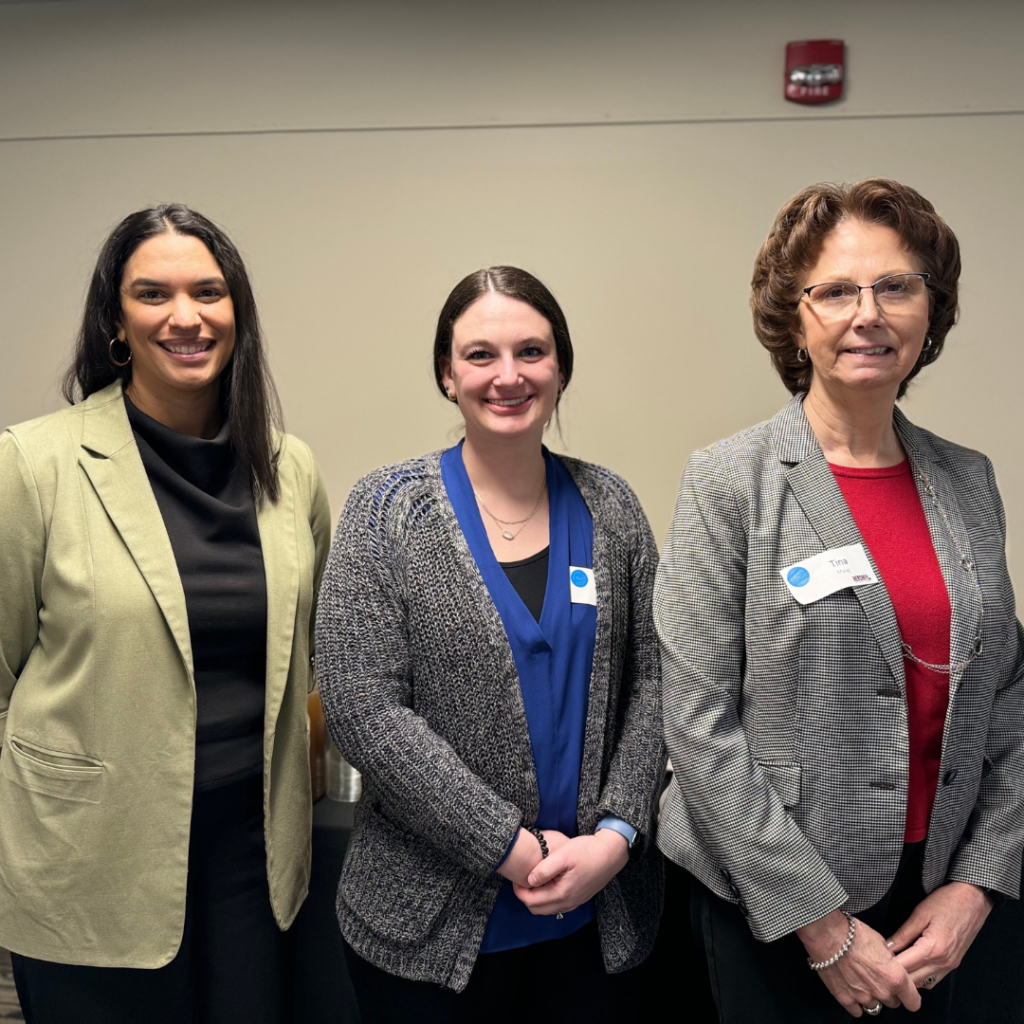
(770, 983)
(990, 981)
(563, 979)
(232, 965)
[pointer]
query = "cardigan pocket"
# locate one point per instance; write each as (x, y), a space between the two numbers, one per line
(395, 882)
(52, 772)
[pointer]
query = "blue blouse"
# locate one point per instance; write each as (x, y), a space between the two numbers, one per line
(554, 660)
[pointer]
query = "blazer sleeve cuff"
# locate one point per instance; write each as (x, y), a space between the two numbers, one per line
(991, 871)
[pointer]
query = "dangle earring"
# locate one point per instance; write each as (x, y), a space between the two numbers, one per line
(561, 386)
(110, 352)
(927, 344)
(801, 355)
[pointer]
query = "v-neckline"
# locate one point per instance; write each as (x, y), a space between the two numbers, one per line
(503, 593)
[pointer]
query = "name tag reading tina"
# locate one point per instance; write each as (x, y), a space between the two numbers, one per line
(824, 574)
(582, 589)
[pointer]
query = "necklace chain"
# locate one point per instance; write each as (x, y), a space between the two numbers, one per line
(968, 565)
(521, 523)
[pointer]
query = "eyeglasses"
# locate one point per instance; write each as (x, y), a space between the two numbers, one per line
(895, 294)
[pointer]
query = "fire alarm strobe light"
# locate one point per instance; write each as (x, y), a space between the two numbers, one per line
(815, 70)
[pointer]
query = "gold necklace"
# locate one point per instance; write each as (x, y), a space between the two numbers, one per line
(521, 523)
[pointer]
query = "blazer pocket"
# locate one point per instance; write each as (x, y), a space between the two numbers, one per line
(784, 777)
(53, 772)
(395, 882)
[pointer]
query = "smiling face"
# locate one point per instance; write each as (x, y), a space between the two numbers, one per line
(503, 368)
(177, 318)
(864, 349)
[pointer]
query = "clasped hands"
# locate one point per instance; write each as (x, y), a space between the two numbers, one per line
(574, 871)
(924, 949)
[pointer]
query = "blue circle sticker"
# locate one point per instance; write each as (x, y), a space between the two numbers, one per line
(578, 578)
(798, 576)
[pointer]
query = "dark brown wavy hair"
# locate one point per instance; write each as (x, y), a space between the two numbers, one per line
(248, 397)
(516, 284)
(794, 245)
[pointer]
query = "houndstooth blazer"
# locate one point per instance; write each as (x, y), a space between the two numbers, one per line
(787, 724)
(421, 694)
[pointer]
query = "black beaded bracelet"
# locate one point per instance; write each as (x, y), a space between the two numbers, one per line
(539, 836)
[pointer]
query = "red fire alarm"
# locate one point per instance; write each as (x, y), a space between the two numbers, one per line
(815, 70)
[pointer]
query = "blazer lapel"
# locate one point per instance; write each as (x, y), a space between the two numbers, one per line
(279, 540)
(111, 461)
(815, 489)
(951, 542)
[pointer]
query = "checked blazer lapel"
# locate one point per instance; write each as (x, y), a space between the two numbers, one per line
(111, 461)
(815, 489)
(951, 542)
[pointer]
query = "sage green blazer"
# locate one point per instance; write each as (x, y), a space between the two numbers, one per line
(97, 694)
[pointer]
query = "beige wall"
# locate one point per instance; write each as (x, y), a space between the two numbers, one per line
(367, 155)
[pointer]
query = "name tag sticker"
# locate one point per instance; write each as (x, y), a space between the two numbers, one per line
(814, 578)
(582, 589)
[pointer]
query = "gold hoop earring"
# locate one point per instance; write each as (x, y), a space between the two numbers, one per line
(110, 352)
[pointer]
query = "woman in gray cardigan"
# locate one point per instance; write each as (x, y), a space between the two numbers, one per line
(487, 660)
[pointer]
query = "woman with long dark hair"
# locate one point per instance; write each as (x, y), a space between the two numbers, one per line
(161, 542)
(487, 659)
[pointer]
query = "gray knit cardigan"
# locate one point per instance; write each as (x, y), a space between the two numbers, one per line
(421, 694)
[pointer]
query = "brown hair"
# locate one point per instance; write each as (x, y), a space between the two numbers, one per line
(248, 397)
(794, 244)
(516, 284)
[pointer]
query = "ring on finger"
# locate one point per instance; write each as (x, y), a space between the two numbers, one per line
(929, 981)
(873, 1011)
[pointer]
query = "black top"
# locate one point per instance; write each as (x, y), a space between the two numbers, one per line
(205, 497)
(530, 578)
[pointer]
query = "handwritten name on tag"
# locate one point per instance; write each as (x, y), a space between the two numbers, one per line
(824, 574)
(582, 589)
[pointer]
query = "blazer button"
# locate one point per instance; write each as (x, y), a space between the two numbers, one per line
(967, 563)
(950, 776)
(743, 908)
(726, 875)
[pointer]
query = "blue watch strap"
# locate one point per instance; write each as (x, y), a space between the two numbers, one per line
(618, 825)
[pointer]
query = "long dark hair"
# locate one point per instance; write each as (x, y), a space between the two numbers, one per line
(248, 396)
(516, 284)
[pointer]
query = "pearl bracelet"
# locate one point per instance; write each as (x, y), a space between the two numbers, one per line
(838, 956)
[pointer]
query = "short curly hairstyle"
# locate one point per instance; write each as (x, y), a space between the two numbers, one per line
(794, 245)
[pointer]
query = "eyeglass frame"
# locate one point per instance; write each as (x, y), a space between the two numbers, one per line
(860, 287)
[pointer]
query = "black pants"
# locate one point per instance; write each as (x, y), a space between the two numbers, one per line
(561, 980)
(232, 964)
(770, 983)
(677, 963)
(990, 981)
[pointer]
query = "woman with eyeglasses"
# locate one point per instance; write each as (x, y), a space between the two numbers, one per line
(842, 664)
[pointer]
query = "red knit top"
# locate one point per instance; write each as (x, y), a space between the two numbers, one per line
(887, 510)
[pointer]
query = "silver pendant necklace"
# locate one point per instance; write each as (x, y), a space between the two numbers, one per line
(521, 523)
